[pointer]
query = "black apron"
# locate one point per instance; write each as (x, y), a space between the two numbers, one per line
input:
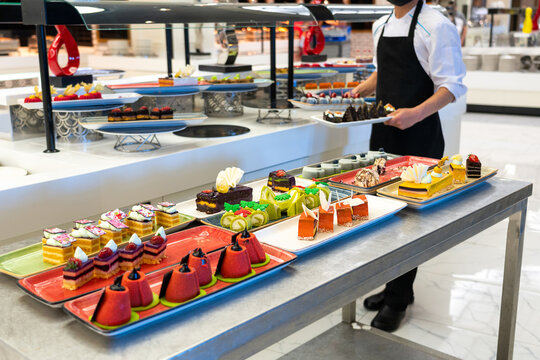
(402, 82)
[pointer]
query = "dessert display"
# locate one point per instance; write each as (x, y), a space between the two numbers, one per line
(234, 262)
(140, 294)
(198, 261)
(128, 114)
(236, 79)
(226, 190)
(364, 112)
(256, 253)
(140, 221)
(279, 180)
(58, 249)
(154, 249)
(78, 270)
(179, 285)
(182, 77)
(131, 256)
(332, 99)
(89, 93)
(326, 214)
(113, 230)
(113, 307)
(344, 214)
(245, 215)
(308, 223)
(69, 93)
(88, 238)
(366, 177)
(48, 233)
(106, 261)
(474, 167)
(457, 169)
(167, 215)
(327, 85)
(418, 183)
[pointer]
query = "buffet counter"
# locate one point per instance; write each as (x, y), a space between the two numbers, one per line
(313, 286)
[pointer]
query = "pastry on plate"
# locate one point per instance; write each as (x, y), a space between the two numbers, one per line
(226, 190)
(131, 256)
(58, 249)
(459, 173)
(113, 230)
(78, 271)
(49, 233)
(308, 223)
(114, 306)
(88, 238)
(474, 167)
(167, 215)
(140, 221)
(154, 249)
(106, 261)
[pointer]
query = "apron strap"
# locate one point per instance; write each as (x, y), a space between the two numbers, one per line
(415, 19)
(386, 22)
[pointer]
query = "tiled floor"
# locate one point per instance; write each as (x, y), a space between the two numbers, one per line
(458, 293)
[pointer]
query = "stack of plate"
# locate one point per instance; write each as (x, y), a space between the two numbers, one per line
(507, 63)
(472, 62)
(490, 62)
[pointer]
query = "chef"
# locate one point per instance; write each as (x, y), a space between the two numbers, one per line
(419, 70)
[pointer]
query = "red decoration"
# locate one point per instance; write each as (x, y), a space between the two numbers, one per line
(64, 37)
(314, 31)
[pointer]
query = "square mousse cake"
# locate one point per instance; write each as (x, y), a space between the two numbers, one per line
(140, 222)
(119, 215)
(77, 272)
(360, 209)
(113, 231)
(212, 201)
(106, 261)
(344, 214)
(279, 180)
(58, 249)
(307, 227)
(153, 209)
(154, 249)
(131, 256)
(167, 215)
(326, 219)
(48, 233)
(88, 238)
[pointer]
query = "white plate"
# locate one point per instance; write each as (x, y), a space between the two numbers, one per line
(320, 119)
(285, 234)
(107, 99)
(100, 123)
(322, 107)
(189, 207)
(11, 171)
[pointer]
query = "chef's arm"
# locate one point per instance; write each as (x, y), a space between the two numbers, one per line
(367, 87)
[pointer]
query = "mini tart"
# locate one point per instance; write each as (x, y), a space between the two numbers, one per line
(154, 250)
(76, 273)
(424, 191)
(106, 266)
(130, 257)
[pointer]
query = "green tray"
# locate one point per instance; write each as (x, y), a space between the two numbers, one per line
(28, 261)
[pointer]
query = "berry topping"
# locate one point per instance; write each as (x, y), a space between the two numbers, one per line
(356, 96)
(346, 95)
(308, 95)
(243, 212)
(116, 110)
(155, 109)
(207, 191)
(281, 173)
(166, 108)
(473, 158)
(105, 253)
(322, 95)
(128, 109)
(73, 264)
(333, 95)
(143, 108)
(131, 246)
(157, 240)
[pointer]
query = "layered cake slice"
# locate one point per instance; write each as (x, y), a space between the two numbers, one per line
(457, 169)
(140, 221)
(226, 190)
(167, 215)
(106, 261)
(153, 209)
(281, 181)
(88, 238)
(474, 167)
(119, 215)
(326, 214)
(78, 271)
(307, 224)
(344, 214)
(58, 249)
(360, 207)
(131, 255)
(113, 230)
(154, 249)
(49, 233)
(417, 183)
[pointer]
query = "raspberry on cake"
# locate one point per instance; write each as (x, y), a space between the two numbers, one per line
(106, 261)
(115, 115)
(88, 238)
(113, 230)
(78, 271)
(129, 114)
(131, 255)
(140, 221)
(154, 249)
(167, 215)
(58, 249)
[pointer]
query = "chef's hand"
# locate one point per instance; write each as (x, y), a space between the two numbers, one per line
(404, 118)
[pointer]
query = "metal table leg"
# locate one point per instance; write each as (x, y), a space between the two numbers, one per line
(510, 290)
(137, 143)
(348, 313)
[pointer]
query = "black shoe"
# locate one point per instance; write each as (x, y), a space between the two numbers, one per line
(388, 319)
(376, 302)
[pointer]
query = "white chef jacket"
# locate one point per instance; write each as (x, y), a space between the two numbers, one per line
(436, 43)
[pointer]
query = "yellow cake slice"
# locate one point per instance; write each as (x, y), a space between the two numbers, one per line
(418, 183)
(167, 215)
(458, 170)
(58, 249)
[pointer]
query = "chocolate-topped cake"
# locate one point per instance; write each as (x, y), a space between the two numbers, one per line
(373, 112)
(381, 112)
(129, 114)
(166, 113)
(474, 167)
(350, 115)
(212, 201)
(143, 113)
(155, 114)
(281, 181)
(115, 115)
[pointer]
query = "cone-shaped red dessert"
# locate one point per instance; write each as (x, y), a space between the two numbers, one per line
(114, 306)
(139, 290)
(180, 285)
(234, 261)
(198, 260)
(253, 247)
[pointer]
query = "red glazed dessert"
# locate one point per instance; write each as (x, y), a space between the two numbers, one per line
(198, 260)
(180, 285)
(307, 224)
(253, 247)
(140, 293)
(326, 219)
(32, 99)
(114, 306)
(234, 261)
(344, 214)
(359, 204)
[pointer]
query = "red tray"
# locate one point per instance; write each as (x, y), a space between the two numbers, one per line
(394, 168)
(46, 287)
(83, 307)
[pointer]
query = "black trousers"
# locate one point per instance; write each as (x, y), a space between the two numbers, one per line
(399, 292)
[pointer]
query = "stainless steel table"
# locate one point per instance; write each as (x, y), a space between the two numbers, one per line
(242, 323)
